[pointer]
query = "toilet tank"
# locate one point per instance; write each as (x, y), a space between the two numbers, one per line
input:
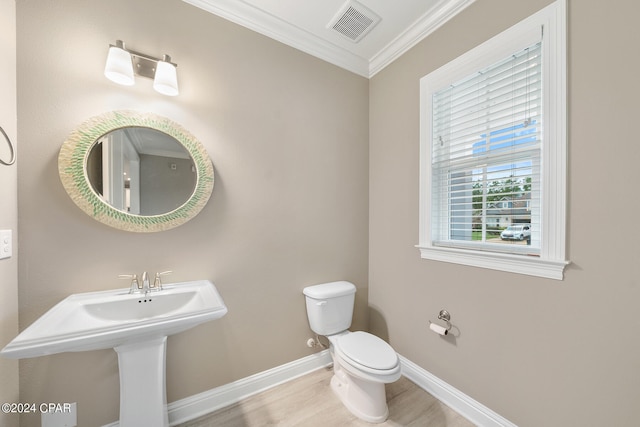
(330, 307)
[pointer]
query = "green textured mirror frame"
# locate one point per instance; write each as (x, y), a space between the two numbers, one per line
(74, 171)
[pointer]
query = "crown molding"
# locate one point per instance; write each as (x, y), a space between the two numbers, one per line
(427, 24)
(276, 28)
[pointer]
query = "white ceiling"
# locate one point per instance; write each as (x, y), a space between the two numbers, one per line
(304, 25)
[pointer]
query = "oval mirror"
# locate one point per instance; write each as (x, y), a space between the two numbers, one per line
(136, 172)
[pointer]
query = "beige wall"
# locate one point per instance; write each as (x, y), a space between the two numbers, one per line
(8, 207)
(288, 136)
(539, 352)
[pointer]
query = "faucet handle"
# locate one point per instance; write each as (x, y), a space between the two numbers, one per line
(135, 285)
(157, 283)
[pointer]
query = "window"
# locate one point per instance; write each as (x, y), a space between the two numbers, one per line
(493, 152)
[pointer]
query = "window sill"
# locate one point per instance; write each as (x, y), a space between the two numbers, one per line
(520, 264)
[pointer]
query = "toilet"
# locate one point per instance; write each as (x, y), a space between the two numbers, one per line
(362, 362)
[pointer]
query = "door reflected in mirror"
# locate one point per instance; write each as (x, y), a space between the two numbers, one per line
(141, 171)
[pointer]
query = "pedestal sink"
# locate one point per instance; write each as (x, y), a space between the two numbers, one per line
(136, 326)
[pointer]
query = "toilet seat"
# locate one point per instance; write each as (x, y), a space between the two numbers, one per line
(368, 353)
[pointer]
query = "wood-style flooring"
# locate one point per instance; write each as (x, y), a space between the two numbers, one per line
(308, 401)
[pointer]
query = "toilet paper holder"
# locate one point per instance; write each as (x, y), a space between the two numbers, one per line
(444, 315)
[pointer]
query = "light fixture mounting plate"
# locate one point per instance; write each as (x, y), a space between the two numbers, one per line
(142, 66)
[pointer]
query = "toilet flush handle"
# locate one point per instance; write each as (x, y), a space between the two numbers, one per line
(321, 303)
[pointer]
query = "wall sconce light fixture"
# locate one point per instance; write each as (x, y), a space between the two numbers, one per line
(123, 64)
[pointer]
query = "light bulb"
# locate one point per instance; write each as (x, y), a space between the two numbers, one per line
(166, 78)
(119, 67)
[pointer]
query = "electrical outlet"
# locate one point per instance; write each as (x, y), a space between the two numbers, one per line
(58, 415)
(6, 246)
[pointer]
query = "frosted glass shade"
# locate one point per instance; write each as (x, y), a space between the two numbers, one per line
(119, 66)
(166, 79)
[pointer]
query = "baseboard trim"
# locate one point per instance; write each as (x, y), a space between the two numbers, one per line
(206, 402)
(200, 404)
(469, 408)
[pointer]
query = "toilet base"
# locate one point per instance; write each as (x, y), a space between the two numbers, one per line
(366, 400)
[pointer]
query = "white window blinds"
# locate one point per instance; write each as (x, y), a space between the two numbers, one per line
(486, 141)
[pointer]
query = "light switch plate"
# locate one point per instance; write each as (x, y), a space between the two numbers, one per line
(6, 245)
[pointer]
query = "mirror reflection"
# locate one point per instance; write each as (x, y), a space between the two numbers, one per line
(141, 171)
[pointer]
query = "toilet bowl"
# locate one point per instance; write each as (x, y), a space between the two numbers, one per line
(362, 362)
(362, 365)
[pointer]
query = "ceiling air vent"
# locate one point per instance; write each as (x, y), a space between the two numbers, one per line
(354, 21)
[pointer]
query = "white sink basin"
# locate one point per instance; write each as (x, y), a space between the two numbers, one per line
(107, 319)
(136, 326)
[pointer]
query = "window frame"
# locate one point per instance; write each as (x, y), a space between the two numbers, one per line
(551, 22)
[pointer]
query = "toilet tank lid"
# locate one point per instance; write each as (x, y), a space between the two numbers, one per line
(330, 290)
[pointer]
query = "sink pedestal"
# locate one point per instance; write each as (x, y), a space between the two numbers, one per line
(143, 393)
(136, 327)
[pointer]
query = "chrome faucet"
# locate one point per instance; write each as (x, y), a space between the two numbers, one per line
(145, 283)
